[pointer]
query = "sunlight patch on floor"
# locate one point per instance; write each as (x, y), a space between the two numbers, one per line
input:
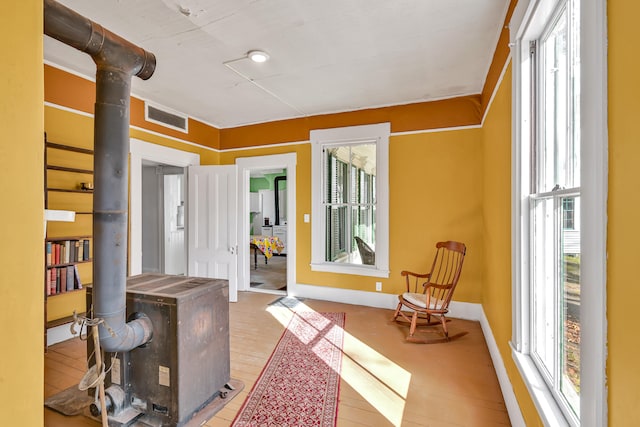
(380, 381)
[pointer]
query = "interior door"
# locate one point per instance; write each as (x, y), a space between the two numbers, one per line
(212, 226)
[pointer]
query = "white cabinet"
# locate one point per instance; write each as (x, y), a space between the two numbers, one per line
(280, 231)
(267, 231)
(268, 205)
(255, 202)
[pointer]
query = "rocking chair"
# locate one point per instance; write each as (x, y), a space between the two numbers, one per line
(367, 254)
(429, 294)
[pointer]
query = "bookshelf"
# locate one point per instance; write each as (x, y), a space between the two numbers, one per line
(68, 185)
(62, 258)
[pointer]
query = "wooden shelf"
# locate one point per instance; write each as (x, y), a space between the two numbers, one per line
(69, 263)
(65, 190)
(62, 239)
(63, 177)
(66, 169)
(65, 293)
(63, 320)
(68, 148)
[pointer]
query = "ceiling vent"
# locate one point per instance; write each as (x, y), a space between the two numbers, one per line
(165, 117)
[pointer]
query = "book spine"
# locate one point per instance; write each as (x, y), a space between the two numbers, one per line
(63, 279)
(72, 251)
(81, 250)
(67, 251)
(86, 249)
(48, 283)
(52, 281)
(76, 252)
(78, 282)
(70, 278)
(48, 253)
(57, 280)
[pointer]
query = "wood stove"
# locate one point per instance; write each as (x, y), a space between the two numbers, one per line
(186, 363)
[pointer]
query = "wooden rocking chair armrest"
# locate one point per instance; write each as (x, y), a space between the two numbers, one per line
(410, 273)
(427, 285)
(413, 280)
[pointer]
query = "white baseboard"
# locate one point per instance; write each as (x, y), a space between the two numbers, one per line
(510, 401)
(459, 310)
(345, 296)
(59, 333)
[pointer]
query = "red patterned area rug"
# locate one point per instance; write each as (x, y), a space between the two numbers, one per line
(300, 384)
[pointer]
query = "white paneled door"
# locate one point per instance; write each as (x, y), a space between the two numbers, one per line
(212, 226)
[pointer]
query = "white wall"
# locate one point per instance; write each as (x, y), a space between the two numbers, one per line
(174, 245)
(150, 225)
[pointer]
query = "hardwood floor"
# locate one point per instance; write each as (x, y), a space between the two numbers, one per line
(385, 380)
(271, 276)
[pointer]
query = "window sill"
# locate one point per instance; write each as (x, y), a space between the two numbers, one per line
(350, 269)
(550, 413)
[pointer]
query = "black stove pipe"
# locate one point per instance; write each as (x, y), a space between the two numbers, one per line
(117, 60)
(276, 184)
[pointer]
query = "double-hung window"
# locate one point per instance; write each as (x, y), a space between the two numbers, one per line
(559, 209)
(555, 169)
(350, 200)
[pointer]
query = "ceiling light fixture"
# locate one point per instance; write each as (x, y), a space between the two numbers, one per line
(258, 56)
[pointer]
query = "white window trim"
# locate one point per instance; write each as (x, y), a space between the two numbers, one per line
(594, 187)
(380, 133)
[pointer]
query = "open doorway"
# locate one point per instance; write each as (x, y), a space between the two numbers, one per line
(257, 201)
(143, 154)
(268, 229)
(163, 233)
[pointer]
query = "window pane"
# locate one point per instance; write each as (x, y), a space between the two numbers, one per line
(363, 162)
(544, 281)
(559, 150)
(568, 210)
(336, 247)
(337, 178)
(571, 307)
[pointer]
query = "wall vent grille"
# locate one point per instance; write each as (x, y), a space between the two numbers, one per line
(165, 117)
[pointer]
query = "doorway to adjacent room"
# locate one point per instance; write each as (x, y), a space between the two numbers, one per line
(268, 229)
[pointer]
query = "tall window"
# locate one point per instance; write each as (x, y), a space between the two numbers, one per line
(350, 200)
(555, 165)
(549, 294)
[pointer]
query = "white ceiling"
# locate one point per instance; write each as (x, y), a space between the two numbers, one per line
(326, 55)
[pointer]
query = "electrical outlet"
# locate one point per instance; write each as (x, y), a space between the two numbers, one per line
(379, 286)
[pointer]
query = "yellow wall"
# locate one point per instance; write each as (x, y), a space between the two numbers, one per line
(623, 291)
(69, 128)
(496, 285)
(435, 194)
(21, 215)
